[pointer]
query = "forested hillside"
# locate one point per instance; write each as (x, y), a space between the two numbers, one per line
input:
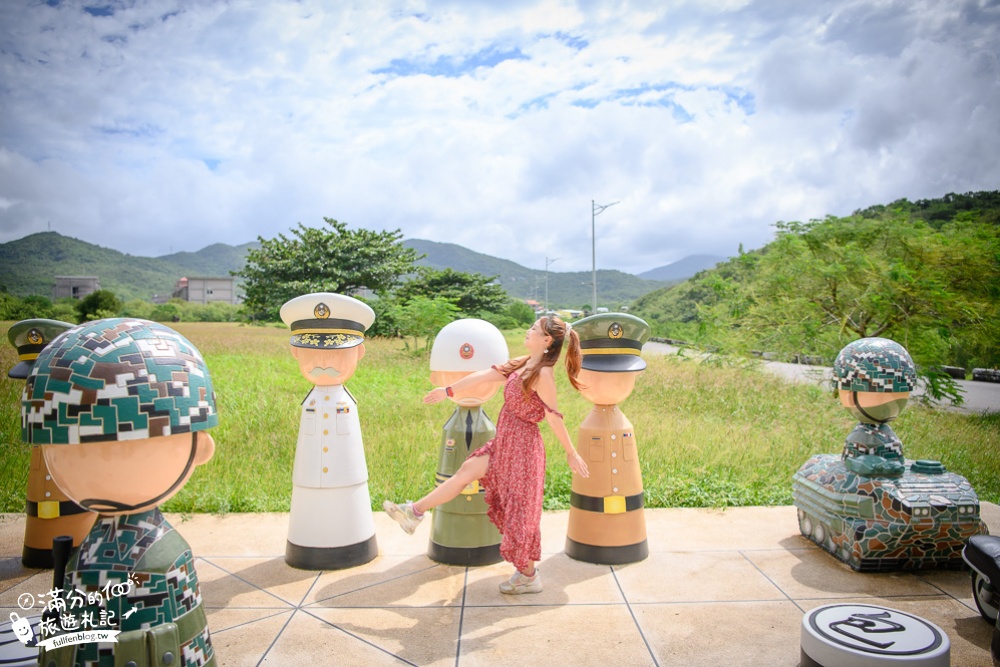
(28, 266)
(924, 273)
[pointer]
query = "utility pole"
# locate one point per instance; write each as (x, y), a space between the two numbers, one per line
(547, 262)
(595, 210)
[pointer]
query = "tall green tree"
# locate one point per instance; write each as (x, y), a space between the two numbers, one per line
(331, 259)
(472, 293)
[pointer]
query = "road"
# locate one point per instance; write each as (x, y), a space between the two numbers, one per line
(979, 396)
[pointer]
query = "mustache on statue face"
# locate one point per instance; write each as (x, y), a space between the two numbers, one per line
(320, 371)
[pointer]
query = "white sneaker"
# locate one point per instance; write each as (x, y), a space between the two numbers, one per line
(403, 515)
(519, 584)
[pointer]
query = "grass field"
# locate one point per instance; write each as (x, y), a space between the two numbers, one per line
(709, 436)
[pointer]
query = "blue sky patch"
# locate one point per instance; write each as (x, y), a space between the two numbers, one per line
(572, 41)
(106, 10)
(452, 66)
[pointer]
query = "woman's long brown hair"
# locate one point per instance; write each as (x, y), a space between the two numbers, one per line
(557, 329)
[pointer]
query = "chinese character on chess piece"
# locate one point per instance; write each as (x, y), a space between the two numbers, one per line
(49, 512)
(606, 520)
(331, 526)
(871, 507)
(121, 408)
(461, 531)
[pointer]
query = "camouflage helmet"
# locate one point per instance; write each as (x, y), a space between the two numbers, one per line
(116, 379)
(874, 365)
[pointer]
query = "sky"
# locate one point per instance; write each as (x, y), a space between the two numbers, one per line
(162, 126)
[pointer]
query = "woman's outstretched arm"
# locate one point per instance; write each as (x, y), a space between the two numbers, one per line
(440, 393)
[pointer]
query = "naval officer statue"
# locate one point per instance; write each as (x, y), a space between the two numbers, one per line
(331, 525)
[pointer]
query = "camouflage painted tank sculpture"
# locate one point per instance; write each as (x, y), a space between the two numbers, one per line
(870, 507)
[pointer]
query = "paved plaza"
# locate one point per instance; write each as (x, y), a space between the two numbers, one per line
(720, 587)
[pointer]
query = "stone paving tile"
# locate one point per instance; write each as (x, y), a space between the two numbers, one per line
(418, 635)
(707, 634)
(21, 581)
(813, 573)
(745, 528)
(389, 581)
(564, 580)
(712, 575)
(341, 637)
(255, 534)
(698, 576)
(226, 581)
(12, 574)
(241, 636)
(571, 634)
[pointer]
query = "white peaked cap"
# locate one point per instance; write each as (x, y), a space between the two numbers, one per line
(327, 320)
(468, 345)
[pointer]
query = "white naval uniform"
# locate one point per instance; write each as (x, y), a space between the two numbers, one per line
(331, 506)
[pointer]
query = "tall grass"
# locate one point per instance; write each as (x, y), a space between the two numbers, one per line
(708, 435)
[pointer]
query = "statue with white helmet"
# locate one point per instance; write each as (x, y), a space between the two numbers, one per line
(461, 531)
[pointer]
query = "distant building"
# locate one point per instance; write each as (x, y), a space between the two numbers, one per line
(75, 287)
(206, 290)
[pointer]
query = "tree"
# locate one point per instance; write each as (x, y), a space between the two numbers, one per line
(321, 260)
(424, 317)
(98, 305)
(821, 284)
(472, 293)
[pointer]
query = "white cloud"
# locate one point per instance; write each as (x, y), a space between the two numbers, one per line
(161, 125)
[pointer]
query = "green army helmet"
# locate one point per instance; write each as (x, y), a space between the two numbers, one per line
(30, 337)
(875, 365)
(612, 342)
(116, 379)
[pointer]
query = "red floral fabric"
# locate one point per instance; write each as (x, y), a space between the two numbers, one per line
(515, 477)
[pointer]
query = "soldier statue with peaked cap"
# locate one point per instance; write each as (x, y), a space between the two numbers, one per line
(121, 408)
(606, 520)
(49, 511)
(331, 524)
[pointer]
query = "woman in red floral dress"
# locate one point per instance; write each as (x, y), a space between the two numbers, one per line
(512, 465)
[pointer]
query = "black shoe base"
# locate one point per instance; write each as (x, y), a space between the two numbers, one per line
(470, 556)
(40, 559)
(588, 553)
(331, 558)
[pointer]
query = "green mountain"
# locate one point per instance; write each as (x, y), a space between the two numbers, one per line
(28, 266)
(682, 269)
(565, 290)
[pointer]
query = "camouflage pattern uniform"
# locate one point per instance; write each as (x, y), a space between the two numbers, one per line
(117, 380)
